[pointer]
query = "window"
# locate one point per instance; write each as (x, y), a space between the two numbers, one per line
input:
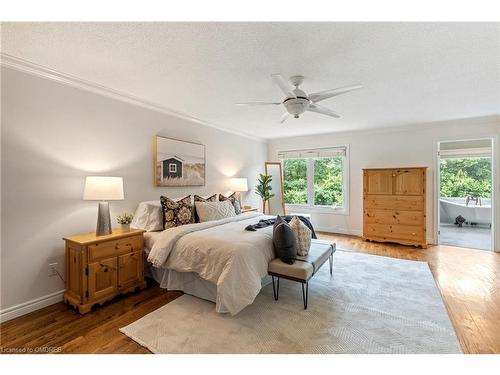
(172, 168)
(315, 178)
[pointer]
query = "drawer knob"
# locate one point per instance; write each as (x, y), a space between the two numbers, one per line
(413, 234)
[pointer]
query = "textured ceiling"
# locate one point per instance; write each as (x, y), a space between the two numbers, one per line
(411, 72)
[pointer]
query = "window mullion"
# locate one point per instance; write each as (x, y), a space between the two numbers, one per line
(310, 182)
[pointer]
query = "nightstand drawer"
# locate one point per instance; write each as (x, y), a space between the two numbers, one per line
(103, 250)
(117, 247)
(130, 245)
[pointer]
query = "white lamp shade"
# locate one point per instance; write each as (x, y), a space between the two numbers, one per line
(238, 184)
(101, 188)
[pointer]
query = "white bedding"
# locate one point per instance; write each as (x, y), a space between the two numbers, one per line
(221, 252)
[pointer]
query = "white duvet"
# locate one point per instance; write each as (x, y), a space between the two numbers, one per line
(221, 252)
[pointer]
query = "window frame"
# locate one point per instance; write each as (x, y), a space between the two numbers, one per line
(170, 169)
(310, 206)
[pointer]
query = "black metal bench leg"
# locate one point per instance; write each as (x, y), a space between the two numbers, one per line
(331, 264)
(305, 293)
(276, 290)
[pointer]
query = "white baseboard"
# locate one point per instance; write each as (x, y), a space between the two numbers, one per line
(352, 232)
(29, 306)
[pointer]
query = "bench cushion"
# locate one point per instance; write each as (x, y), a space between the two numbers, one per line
(319, 253)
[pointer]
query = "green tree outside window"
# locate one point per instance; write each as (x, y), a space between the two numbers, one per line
(461, 177)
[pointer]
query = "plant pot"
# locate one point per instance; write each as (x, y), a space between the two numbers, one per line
(125, 227)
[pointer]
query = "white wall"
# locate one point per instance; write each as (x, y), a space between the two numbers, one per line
(401, 147)
(53, 135)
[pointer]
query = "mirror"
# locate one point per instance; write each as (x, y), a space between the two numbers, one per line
(276, 205)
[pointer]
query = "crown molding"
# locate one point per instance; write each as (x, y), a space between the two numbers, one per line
(29, 67)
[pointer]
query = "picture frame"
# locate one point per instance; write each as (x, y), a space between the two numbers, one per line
(178, 163)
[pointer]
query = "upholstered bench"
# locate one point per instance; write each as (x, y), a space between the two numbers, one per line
(304, 267)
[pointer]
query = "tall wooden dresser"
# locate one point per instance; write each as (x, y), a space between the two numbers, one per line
(394, 205)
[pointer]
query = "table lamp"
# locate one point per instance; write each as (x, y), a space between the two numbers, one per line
(103, 189)
(238, 185)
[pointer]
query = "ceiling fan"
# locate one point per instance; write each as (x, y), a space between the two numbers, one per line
(297, 101)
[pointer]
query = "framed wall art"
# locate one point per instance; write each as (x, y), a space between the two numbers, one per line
(178, 163)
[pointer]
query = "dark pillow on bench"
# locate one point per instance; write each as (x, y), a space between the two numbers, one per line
(284, 241)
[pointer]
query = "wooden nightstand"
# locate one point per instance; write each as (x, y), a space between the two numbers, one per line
(251, 209)
(99, 268)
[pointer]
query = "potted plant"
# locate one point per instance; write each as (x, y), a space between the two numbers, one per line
(125, 219)
(263, 189)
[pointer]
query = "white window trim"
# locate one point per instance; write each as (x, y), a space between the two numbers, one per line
(311, 208)
(170, 169)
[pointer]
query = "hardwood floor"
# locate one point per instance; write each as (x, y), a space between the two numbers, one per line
(469, 281)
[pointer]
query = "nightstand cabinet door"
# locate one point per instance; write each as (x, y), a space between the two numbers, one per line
(130, 269)
(102, 278)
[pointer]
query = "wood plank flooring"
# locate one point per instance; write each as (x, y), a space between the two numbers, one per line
(469, 281)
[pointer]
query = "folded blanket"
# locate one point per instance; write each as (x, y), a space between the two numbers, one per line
(268, 222)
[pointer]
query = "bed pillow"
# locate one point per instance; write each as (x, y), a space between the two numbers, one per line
(148, 216)
(176, 213)
(302, 236)
(209, 211)
(234, 201)
(198, 198)
(284, 241)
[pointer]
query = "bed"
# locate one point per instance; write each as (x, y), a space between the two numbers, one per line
(217, 260)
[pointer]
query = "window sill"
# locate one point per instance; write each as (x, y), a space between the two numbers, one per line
(316, 209)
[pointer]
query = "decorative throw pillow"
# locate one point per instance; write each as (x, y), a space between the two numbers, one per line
(234, 201)
(198, 198)
(284, 241)
(176, 213)
(302, 236)
(208, 211)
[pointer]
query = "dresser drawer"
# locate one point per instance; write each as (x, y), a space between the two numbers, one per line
(374, 216)
(115, 247)
(394, 202)
(396, 232)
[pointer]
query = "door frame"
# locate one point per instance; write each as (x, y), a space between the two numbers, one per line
(495, 236)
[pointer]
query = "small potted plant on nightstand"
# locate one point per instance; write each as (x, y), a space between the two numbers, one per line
(125, 219)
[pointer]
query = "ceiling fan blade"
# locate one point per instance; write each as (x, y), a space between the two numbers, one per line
(322, 95)
(324, 111)
(283, 85)
(284, 117)
(259, 103)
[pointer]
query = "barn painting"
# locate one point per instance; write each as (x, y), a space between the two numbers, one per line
(172, 167)
(178, 163)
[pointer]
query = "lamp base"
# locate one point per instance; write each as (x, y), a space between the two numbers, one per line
(103, 220)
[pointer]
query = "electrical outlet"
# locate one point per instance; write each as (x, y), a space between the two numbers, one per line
(53, 269)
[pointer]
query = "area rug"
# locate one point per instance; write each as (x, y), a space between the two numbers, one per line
(372, 304)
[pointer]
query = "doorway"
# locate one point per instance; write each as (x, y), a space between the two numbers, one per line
(465, 193)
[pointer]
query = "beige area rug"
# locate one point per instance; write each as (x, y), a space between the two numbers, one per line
(372, 304)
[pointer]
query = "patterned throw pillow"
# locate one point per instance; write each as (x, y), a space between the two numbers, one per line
(209, 211)
(198, 198)
(302, 236)
(176, 213)
(234, 200)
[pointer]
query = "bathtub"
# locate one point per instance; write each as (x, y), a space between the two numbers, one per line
(450, 208)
